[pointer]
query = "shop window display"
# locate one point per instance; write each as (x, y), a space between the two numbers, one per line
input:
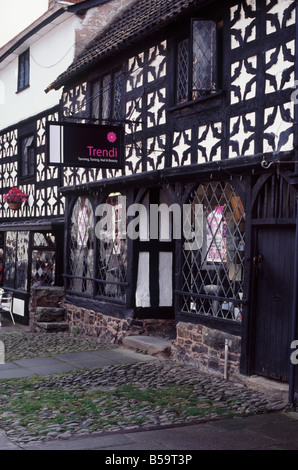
(16, 260)
(213, 272)
(81, 262)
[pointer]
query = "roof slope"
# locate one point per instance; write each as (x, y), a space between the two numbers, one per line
(140, 19)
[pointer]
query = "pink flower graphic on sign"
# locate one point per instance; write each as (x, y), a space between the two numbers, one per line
(112, 137)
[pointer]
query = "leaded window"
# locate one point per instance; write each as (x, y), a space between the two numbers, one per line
(27, 156)
(16, 260)
(213, 267)
(81, 260)
(106, 97)
(112, 251)
(197, 74)
(98, 269)
(43, 259)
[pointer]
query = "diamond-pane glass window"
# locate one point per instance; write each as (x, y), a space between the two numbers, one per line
(203, 58)
(81, 260)
(43, 268)
(182, 71)
(197, 62)
(27, 156)
(213, 271)
(16, 260)
(106, 97)
(112, 252)
(117, 96)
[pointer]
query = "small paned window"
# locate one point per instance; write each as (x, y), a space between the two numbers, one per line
(213, 262)
(112, 252)
(81, 259)
(98, 270)
(16, 260)
(106, 97)
(23, 72)
(27, 156)
(43, 266)
(197, 62)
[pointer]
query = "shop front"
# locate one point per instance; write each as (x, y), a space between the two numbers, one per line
(31, 257)
(219, 270)
(171, 255)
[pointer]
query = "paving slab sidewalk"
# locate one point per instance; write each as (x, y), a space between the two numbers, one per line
(70, 361)
(273, 431)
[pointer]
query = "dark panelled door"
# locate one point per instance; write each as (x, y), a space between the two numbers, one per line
(273, 269)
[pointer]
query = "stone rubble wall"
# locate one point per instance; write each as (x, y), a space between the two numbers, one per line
(196, 345)
(108, 329)
(111, 330)
(46, 311)
(204, 348)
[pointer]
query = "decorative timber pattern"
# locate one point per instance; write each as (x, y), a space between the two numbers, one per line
(253, 115)
(42, 187)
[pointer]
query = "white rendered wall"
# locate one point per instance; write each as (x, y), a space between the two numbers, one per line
(49, 56)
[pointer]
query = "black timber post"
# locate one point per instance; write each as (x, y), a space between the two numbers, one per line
(294, 182)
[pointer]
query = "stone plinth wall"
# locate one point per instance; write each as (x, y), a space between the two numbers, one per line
(153, 327)
(204, 348)
(111, 330)
(108, 329)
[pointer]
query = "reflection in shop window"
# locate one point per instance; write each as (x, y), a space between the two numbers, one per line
(81, 262)
(112, 253)
(213, 274)
(16, 260)
(43, 259)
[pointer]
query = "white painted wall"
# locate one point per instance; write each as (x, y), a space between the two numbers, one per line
(50, 55)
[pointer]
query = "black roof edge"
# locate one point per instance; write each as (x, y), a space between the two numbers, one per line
(76, 8)
(80, 8)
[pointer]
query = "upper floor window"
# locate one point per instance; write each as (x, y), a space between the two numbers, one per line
(197, 62)
(106, 97)
(23, 71)
(27, 156)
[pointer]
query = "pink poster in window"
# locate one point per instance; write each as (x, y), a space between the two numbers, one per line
(216, 236)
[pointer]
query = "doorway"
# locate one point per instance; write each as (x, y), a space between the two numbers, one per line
(273, 272)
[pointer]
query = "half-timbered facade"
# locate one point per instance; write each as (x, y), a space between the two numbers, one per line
(205, 92)
(31, 238)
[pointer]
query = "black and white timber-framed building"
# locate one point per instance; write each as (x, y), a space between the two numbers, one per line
(205, 92)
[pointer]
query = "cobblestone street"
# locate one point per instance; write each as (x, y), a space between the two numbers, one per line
(213, 396)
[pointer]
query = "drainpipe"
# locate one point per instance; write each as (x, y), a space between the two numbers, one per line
(226, 359)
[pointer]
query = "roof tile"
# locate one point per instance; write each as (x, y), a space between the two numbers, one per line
(132, 25)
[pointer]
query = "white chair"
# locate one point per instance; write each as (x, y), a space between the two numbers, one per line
(6, 304)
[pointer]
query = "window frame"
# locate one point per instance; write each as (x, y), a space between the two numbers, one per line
(188, 36)
(94, 284)
(31, 163)
(15, 263)
(219, 262)
(99, 90)
(23, 71)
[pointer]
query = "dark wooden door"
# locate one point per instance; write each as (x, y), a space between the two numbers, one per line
(273, 280)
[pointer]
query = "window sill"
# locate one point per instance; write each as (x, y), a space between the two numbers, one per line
(194, 102)
(27, 179)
